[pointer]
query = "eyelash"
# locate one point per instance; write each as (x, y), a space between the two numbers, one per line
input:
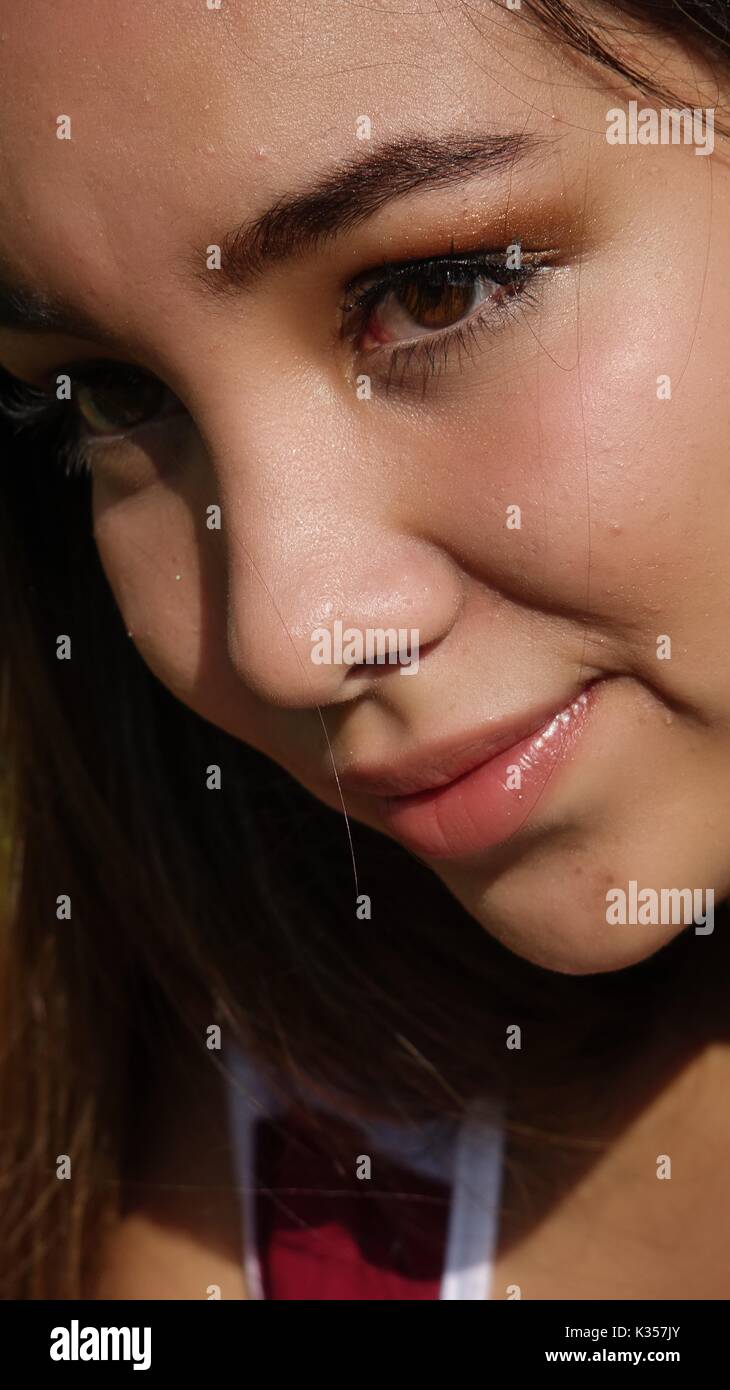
(38, 412)
(428, 356)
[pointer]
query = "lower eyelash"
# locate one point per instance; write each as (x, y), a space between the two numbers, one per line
(74, 456)
(36, 414)
(431, 354)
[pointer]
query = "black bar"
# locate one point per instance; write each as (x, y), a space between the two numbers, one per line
(241, 1341)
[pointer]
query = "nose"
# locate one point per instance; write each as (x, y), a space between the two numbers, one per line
(328, 583)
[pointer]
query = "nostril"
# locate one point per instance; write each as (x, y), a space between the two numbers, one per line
(362, 647)
(383, 650)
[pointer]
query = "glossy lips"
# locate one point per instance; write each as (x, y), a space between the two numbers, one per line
(487, 804)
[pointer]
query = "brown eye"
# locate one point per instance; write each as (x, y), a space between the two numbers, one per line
(112, 401)
(409, 318)
(427, 302)
(436, 305)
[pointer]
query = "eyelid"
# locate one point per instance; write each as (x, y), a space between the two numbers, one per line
(86, 447)
(427, 355)
(170, 408)
(391, 272)
(98, 371)
(107, 441)
(89, 371)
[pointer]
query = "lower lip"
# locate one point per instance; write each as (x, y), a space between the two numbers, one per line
(489, 804)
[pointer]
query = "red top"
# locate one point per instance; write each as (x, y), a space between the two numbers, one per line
(339, 1209)
(325, 1233)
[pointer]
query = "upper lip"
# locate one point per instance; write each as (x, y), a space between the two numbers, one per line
(437, 764)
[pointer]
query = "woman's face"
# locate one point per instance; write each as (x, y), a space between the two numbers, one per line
(479, 451)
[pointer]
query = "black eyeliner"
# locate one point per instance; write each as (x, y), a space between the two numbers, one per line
(381, 277)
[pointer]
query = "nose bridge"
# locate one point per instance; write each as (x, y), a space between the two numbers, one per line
(320, 578)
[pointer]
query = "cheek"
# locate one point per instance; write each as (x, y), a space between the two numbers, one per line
(589, 474)
(150, 552)
(167, 571)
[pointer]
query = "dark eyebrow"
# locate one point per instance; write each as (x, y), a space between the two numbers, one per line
(303, 221)
(34, 312)
(353, 192)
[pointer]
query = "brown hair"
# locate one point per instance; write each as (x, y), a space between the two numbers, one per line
(236, 907)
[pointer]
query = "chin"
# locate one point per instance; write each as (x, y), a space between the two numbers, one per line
(558, 921)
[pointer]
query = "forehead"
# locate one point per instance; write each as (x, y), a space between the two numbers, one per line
(180, 114)
(186, 122)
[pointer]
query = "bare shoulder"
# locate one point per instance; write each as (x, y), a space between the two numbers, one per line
(180, 1232)
(145, 1258)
